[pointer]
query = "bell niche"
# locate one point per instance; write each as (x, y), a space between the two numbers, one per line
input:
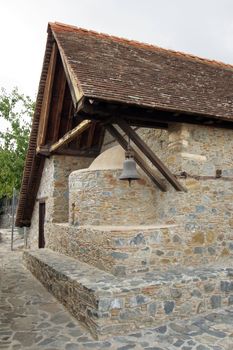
(97, 196)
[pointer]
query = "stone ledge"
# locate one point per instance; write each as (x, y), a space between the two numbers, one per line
(107, 304)
(127, 250)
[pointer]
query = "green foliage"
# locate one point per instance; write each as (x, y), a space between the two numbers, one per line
(16, 112)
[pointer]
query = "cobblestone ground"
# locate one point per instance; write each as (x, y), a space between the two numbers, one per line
(30, 318)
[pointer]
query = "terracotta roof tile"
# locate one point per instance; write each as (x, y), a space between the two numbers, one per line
(127, 71)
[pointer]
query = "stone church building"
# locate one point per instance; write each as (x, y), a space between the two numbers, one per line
(118, 256)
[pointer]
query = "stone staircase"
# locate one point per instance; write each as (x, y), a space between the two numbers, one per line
(108, 304)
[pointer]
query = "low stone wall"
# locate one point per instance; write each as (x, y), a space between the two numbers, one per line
(107, 305)
(123, 250)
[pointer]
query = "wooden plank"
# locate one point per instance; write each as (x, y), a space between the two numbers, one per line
(75, 90)
(70, 117)
(150, 155)
(47, 97)
(43, 150)
(58, 111)
(91, 135)
(77, 152)
(138, 159)
(70, 135)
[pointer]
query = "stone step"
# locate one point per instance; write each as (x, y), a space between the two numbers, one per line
(107, 304)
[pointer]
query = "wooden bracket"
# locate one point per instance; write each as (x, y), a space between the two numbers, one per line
(150, 155)
(70, 135)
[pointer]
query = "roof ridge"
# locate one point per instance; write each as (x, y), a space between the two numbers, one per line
(139, 44)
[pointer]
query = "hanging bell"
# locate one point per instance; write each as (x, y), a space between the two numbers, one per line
(129, 171)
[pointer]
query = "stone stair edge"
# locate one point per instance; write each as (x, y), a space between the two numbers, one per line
(101, 279)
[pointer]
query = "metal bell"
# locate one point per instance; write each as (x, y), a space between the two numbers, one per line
(129, 171)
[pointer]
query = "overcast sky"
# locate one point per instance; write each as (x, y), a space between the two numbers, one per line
(200, 27)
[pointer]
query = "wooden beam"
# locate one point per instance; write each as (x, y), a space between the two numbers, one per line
(91, 134)
(146, 117)
(70, 117)
(58, 107)
(150, 155)
(44, 115)
(75, 88)
(138, 159)
(77, 153)
(43, 150)
(70, 135)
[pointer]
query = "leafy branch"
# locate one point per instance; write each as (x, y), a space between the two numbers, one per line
(16, 112)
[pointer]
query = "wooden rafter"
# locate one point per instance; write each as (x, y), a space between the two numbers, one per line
(76, 92)
(45, 151)
(47, 97)
(77, 153)
(146, 117)
(58, 107)
(70, 135)
(150, 155)
(139, 160)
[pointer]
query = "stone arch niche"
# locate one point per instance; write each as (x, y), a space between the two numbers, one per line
(98, 197)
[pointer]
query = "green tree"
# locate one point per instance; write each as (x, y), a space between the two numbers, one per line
(16, 112)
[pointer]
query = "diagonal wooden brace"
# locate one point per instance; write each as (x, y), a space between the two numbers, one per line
(150, 155)
(139, 160)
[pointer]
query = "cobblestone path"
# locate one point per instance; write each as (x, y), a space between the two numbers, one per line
(30, 318)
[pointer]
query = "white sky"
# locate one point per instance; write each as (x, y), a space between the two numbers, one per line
(201, 27)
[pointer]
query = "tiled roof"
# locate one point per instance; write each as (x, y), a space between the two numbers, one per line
(115, 69)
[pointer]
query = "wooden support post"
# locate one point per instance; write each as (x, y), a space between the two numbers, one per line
(70, 135)
(150, 155)
(138, 159)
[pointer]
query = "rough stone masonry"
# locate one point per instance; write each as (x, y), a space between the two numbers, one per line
(139, 232)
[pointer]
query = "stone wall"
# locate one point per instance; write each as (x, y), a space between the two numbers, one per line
(203, 214)
(198, 151)
(109, 305)
(54, 192)
(98, 197)
(127, 250)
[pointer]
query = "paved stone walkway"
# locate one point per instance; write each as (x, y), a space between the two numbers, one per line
(30, 318)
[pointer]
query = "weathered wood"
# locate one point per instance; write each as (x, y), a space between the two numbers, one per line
(58, 108)
(70, 116)
(146, 117)
(76, 92)
(43, 150)
(44, 115)
(77, 153)
(138, 159)
(70, 135)
(91, 134)
(150, 155)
